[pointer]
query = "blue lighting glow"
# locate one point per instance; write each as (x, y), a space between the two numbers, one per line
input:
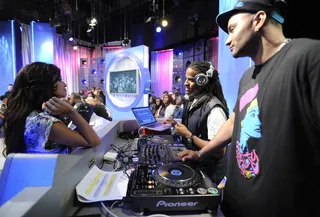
(93, 71)
(84, 81)
(158, 29)
(32, 41)
(42, 42)
(13, 50)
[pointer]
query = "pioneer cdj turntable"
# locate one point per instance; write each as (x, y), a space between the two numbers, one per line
(160, 150)
(162, 182)
(172, 187)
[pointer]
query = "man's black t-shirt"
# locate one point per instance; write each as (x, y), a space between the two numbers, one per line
(275, 153)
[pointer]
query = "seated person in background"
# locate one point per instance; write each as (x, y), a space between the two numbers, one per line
(84, 97)
(99, 101)
(31, 124)
(3, 107)
(99, 108)
(159, 108)
(178, 111)
(74, 99)
(100, 93)
(10, 87)
(152, 104)
(97, 123)
(168, 106)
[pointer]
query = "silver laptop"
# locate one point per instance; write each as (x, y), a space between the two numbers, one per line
(146, 119)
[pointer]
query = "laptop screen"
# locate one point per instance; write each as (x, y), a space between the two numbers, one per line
(143, 115)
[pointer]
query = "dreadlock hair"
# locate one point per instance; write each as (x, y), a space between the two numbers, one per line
(213, 87)
(34, 85)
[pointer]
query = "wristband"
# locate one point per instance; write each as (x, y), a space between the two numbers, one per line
(198, 153)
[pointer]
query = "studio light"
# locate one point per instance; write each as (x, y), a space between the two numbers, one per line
(71, 38)
(164, 23)
(125, 42)
(93, 71)
(75, 47)
(84, 81)
(177, 79)
(158, 29)
(93, 22)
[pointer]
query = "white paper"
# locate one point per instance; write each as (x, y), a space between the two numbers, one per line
(99, 185)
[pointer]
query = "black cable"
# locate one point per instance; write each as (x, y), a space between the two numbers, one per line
(78, 210)
(101, 164)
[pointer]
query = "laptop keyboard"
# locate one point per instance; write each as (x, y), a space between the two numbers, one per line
(155, 125)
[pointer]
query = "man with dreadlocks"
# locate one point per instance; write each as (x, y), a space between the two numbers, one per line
(206, 111)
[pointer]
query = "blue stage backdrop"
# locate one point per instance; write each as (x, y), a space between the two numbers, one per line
(42, 42)
(230, 69)
(7, 55)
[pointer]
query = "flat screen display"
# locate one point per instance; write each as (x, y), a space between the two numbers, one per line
(123, 82)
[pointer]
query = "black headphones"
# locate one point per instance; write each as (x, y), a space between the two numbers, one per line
(202, 79)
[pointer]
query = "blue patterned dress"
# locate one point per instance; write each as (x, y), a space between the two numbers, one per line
(36, 134)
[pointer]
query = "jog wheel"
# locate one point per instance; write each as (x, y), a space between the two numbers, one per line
(176, 175)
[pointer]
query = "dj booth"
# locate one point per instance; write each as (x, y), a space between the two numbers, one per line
(44, 184)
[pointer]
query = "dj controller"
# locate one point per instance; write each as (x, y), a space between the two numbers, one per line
(161, 182)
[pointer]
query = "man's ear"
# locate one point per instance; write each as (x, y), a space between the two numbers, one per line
(260, 18)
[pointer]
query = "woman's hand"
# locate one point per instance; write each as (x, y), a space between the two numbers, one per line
(57, 106)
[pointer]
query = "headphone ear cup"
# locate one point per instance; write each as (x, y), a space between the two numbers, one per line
(201, 79)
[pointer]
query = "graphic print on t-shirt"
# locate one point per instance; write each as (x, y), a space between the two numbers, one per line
(247, 158)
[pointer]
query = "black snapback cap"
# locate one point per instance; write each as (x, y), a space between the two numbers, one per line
(252, 6)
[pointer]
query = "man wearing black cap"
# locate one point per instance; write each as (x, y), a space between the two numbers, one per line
(274, 165)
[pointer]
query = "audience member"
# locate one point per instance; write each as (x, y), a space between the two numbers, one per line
(7, 94)
(152, 104)
(159, 108)
(74, 99)
(168, 106)
(178, 111)
(3, 108)
(98, 123)
(99, 108)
